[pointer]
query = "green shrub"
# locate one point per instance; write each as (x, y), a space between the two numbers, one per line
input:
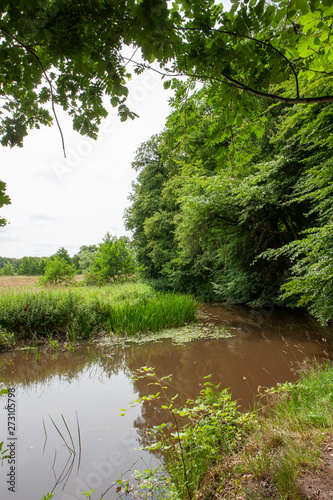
(7, 270)
(57, 271)
(7, 339)
(113, 260)
(197, 434)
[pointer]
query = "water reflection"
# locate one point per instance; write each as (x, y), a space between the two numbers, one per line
(95, 384)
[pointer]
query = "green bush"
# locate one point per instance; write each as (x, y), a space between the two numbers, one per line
(113, 260)
(57, 271)
(7, 270)
(197, 434)
(7, 340)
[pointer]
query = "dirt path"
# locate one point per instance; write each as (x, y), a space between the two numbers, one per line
(318, 484)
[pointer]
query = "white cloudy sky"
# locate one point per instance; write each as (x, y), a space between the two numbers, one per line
(75, 201)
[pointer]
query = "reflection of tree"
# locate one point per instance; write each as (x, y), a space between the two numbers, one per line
(21, 368)
(256, 355)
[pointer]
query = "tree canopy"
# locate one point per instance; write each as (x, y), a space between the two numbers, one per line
(243, 216)
(233, 199)
(69, 54)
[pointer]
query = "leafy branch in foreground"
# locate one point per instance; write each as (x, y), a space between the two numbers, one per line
(71, 54)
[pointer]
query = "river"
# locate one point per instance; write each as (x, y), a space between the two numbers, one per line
(69, 433)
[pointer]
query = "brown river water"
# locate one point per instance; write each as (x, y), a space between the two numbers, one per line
(73, 400)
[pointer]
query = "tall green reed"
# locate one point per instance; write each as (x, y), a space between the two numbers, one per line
(83, 311)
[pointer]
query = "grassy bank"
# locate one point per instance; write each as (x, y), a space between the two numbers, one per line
(282, 450)
(82, 311)
(282, 454)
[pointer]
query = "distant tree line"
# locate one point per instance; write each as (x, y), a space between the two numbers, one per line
(31, 266)
(111, 259)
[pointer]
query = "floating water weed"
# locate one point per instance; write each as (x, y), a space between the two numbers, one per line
(179, 336)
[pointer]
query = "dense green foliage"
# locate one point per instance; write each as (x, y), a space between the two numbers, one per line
(57, 270)
(69, 54)
(126, 309)
(32, 266)
(7, 270)
(84, 258)
(237, 212)
(233, 199)
(113, 259)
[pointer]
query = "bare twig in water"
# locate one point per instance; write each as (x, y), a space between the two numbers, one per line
(45, 435)
(64, 440)
(73, 452)
(115, 482)
(79, 438)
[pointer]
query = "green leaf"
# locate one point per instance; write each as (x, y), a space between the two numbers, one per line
(303, 6)
(114, 101)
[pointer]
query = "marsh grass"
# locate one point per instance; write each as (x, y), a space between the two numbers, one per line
(79, 312)
(163, 310)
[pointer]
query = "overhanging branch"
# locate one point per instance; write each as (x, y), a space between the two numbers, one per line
(256, 40)
(40, 64)
(226, 79)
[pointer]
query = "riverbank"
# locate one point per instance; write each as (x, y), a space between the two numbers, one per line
(282, 450)
(78, 312)
(288, 454)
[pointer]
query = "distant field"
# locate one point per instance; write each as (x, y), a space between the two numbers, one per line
(23, 281)
(17, 281)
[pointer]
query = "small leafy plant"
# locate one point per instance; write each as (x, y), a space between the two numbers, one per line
(194, 438)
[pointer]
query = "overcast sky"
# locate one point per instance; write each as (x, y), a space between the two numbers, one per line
(58, 202)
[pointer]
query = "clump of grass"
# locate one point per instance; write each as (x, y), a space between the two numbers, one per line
(7, 339)
(36, 312)
(161, 311)
(126, 308)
